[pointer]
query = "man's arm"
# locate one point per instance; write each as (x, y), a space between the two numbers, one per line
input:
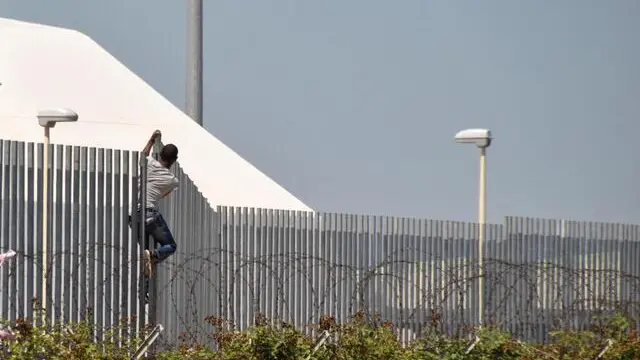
(147, 149)
(174, 185)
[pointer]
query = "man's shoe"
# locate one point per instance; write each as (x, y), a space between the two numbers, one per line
(146, 262)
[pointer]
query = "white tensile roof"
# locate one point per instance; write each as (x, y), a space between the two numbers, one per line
(49, 67)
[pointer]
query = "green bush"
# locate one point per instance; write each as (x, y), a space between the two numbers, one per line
(72, 341)
(263, 341)
(361, 338)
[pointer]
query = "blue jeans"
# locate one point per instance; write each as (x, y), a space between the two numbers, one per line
(157, 228)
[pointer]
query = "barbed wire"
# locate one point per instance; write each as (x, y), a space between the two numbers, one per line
(528, 299)
(418, 292)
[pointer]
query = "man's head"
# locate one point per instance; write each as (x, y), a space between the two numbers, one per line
(169, 155)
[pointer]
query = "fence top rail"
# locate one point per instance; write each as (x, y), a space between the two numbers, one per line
(66, 146)
(513, 224)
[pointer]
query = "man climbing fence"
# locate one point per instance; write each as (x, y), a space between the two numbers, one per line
(160, 182)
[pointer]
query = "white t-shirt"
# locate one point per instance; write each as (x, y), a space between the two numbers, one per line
(160, 182)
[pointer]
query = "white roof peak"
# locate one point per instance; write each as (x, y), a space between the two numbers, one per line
(117, 110)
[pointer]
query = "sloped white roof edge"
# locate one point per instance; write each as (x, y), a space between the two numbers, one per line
(45, 66)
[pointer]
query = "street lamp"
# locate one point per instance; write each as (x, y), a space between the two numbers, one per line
(47, 119)
(482, 139)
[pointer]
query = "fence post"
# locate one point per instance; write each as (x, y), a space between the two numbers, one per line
(150, 245)
(142, 233)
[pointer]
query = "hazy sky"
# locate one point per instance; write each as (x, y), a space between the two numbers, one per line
(352, 105)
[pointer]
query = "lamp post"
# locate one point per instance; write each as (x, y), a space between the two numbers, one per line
(47, 119)
(482, 139)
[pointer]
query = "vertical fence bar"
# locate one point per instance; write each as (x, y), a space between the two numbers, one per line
(306, 243)
(100, 242)
(38, 253)
(128, 295)
(31, 240)
(318, 264)
(136, 290)
(49, 164)
(56, 245)
(117, 278)
(244, 265)
(143, 243)
(528, 309)
(74, 241)
(83, 230)
(92, 244)
(18, 279)
(67, 240)
(109, 309)
(9, 232)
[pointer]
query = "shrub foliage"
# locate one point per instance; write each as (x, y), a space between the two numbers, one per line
(361, 338)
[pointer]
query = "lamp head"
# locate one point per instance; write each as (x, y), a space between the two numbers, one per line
(49, 117)
(480, 137)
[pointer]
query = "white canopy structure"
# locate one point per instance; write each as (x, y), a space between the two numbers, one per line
(45, 66)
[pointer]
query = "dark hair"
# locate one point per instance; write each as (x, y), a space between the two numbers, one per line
(169, 153)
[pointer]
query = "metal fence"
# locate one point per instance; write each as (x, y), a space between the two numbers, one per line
(93, 262)
(541, 275)
(242, 263)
